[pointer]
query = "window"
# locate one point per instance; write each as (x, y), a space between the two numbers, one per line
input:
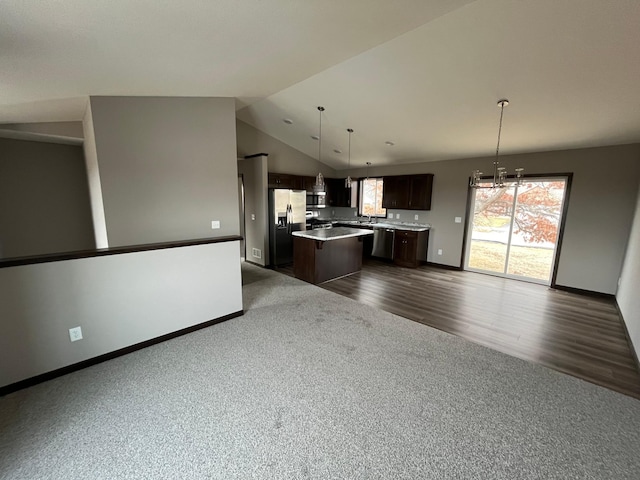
(371, 198)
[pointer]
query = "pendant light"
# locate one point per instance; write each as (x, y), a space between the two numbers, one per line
(320, 177)
(347, 181)
(499, 173)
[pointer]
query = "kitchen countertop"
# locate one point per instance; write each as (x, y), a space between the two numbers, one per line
(336, 233)
(392, 226)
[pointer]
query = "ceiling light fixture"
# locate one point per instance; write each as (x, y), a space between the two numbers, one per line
(337, 150)
(288, 121)
(347, 181)
(499, 173)
(320, 177)
(389, 143)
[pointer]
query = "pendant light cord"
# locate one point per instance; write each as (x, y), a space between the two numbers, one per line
(499, 129)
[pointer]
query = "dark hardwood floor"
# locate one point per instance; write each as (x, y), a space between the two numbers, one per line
(576, 334)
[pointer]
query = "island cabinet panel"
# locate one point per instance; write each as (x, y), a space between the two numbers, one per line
(316, 261)
(410, 248)
(407, 192)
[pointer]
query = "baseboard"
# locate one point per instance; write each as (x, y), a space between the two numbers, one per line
(588, 293)
(445, 267)
(254, 263)
(634, 354)
(29, 382)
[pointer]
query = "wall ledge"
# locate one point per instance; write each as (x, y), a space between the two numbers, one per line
(102, 252)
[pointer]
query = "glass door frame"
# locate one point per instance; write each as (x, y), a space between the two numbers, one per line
(468, 228)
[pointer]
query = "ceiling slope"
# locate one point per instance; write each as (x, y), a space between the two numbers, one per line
(54, 52)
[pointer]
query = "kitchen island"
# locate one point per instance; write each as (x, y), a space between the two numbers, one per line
(324, 254)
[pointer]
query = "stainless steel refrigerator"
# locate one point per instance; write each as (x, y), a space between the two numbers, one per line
(286, 214)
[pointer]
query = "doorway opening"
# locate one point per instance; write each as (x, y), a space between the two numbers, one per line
(241, 214)
(514, 231)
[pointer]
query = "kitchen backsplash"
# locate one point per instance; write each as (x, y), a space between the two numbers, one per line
(393, 216)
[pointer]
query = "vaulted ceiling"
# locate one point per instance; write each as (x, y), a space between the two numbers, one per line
(424, 75)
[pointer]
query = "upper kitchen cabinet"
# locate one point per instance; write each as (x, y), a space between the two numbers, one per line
(285, 180)
(395, 191)
(408, 192)
(308, 183)
(420, 192)
(337, 194)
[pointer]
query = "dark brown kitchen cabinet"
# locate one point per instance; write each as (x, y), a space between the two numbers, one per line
(308, 183)
(410, 248)
(420, 192)
(395, 192)
(285, 180)
(337, 194)
(407, 192)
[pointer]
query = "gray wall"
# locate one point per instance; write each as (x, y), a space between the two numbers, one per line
(254, 173)
(628, 296)
(117, 300)
(44, 199)
(601, 206)
(282, 157)
(64, 129)
(167, 167)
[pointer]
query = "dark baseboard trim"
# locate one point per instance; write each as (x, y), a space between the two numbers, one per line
(256, 155)
(580, 291)
(254, 263)
(634, 354)
(445, 267)
(29, 382)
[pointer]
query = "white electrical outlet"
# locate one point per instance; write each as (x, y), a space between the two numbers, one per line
(215, 224)
(253, 216)
(397, 215)
(439, 251)
(75, 334)
(415, 217)
(390, 215)
(458, 219)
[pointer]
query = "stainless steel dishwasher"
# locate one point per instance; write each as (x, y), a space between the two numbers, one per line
(382, 243)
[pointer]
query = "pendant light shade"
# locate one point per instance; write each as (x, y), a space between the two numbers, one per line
(347, 181)
(320, 177)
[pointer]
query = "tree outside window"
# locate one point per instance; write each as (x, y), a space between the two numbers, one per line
(371, 197)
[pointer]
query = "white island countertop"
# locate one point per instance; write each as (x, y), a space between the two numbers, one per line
(326, 234)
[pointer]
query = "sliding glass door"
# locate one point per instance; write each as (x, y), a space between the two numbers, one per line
(513, 230)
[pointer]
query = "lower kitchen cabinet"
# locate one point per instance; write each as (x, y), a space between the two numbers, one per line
(410, 247)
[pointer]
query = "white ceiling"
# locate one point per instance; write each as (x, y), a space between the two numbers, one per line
(423, 74)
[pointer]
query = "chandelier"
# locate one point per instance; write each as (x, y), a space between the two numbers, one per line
(499, 173)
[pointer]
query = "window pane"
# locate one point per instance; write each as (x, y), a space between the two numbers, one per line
(371, 197)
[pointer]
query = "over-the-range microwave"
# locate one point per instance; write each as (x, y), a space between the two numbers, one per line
(316, 199)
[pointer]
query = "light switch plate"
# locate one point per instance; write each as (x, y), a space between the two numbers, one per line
(215, 224)
(439, 251)
(397, 215)
(458, 219)
(415, 217)
(253, 216)
(390, 215)
(75, 334)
